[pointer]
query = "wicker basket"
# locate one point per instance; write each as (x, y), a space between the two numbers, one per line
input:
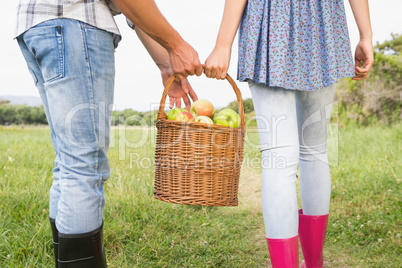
(197, 163)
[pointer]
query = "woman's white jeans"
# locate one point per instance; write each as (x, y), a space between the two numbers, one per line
(292, 127)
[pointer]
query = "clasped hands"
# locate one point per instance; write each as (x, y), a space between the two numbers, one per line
(181, 88)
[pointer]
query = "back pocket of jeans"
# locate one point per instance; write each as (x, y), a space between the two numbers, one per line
(47, 45)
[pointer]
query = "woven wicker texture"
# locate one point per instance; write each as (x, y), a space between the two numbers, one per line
(196, 163)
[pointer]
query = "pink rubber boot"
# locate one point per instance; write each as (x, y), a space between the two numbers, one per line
(284, 253)
(312, 230)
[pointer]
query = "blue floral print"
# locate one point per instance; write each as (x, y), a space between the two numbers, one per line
(294, 44)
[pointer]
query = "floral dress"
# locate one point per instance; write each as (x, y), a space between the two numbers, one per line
(294, 44)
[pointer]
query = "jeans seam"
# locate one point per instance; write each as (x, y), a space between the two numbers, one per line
(92, 105)
(84, 41)
(61, 51)
(90, 92)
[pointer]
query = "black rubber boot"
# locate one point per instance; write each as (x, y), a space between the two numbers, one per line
(82, 250)
(55, 241)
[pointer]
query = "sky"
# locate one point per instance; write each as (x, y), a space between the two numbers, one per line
(138, 84)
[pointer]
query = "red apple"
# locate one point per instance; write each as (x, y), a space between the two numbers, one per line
(185, 116)
(202, 107)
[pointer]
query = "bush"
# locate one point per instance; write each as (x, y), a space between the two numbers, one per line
(376, 100)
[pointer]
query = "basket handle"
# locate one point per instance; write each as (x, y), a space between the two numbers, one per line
(162, 115)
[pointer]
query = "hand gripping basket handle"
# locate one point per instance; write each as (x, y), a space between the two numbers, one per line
(162, 115)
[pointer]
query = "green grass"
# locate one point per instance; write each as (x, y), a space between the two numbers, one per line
(140, 231)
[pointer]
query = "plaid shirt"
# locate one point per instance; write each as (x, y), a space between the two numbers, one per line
(98, 13)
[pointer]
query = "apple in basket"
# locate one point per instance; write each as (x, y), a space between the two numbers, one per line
(227, 118)
(204, 119)
(202, 107)
(185, 116)
(175, 112)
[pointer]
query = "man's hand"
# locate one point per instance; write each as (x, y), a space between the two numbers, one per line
(146, 15)
(184, 60)
(179, 90)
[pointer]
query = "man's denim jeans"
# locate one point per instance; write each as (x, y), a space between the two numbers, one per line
(72, 65)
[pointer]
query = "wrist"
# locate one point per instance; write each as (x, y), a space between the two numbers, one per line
(166, 72)
(174, 42)
(366, 36)
(163, 67)
(221, 47)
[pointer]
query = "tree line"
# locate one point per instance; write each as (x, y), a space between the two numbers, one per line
(35, 115)
(21, 114)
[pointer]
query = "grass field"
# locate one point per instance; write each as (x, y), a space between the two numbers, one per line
(364, 227)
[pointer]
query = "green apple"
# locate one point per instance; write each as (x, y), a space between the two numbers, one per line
(227, 118)
(204, 119)
(202, 107)
(175, 112)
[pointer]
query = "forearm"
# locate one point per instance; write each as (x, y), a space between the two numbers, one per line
(230, 22)
(183, 59)
(361, 13)
(160, 56)
(146, 15)
(217, 63)
(158, 53)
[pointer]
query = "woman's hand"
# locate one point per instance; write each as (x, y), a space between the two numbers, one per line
(217, 63)
(364, 49)
(180, 89)
(364, 54)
